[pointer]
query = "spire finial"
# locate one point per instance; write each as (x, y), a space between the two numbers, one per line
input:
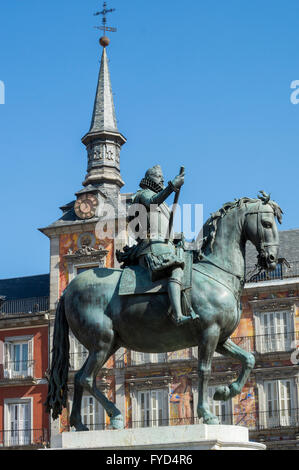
(104, 40)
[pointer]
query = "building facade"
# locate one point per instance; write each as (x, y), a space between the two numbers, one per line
(24, 360)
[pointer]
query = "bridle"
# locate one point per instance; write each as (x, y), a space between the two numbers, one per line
(261, 245)
(260, 231)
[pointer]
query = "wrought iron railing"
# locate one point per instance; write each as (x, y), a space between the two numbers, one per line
(285, 270)
(167, 358)
(255, 421)
(24, 438)
(17, 370)
(276, 342)
(262, 344)
(25, 306)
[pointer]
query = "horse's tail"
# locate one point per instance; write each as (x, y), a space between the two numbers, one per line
(57, 390)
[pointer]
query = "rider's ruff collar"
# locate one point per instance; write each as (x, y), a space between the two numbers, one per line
(148, 183)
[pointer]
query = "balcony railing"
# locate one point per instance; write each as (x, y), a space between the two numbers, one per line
(262, 344)
(164, 358)
(286, 270)
(255, 421)
(276, 342)
(25, 306)
(24, 438)
(17, 370)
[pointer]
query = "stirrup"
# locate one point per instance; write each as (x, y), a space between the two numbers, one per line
(184, 319)
(193, 315)
(180, 321)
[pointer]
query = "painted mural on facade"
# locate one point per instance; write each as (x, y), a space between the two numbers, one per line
(70, 243)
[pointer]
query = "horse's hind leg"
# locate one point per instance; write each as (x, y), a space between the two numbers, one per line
(75, 418)
(87, 379)
(206, 349)
(229, 348)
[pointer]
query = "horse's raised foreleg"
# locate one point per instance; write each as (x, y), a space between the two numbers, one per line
(87, 379)
(229, 348)
(206, 349)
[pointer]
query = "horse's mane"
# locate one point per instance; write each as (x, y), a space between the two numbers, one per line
(210, 227)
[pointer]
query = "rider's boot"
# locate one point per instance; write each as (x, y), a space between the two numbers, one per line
(174, 291)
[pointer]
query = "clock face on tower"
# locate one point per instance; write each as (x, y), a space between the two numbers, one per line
(86, 206)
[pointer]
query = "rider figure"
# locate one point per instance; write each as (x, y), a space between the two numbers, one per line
(155, 249)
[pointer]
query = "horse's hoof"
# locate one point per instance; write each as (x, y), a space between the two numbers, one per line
(212, 420)
(117, 422)
(81, 428)
(222, 393)
(75, 422)
(207, 416)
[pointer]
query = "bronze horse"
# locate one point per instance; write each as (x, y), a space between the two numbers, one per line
(103, 321)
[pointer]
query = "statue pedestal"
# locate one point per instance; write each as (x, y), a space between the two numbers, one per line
(178, 438)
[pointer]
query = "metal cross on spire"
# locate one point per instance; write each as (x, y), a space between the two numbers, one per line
(104, 13)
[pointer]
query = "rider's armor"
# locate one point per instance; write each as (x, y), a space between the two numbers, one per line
(156, 250)
(156, 246)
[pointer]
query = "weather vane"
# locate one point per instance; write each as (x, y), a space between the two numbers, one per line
(104, 13)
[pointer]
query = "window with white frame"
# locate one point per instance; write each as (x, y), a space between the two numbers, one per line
(17, 422)
(274, 331)
(78, 353)
(18, 362)
(82, 269)
(221, 409)
(152, 408)
(279, 403)
(147, 358)
(92, 413)
(76, 268)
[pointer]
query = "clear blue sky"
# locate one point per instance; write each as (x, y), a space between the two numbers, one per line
(200, 83)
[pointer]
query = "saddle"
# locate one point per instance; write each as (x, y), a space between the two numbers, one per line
(136, 280)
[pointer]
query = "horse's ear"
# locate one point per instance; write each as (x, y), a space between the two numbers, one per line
(265, 198)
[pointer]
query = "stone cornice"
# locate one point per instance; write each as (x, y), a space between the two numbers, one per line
(103, 136)
(70, 227)
(275, 303)
(271, 286)
(156, 381)
(263, 373)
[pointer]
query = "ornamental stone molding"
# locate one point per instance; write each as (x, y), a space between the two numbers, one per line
(273, 304)
(149, 382)
(86, 254)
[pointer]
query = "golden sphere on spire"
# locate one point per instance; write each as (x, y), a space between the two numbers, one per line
(104, 41)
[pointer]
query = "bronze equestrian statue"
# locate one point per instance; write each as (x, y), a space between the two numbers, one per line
(104, 321)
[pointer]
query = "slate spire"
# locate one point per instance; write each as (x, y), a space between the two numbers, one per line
(104, 141)
(104, 118)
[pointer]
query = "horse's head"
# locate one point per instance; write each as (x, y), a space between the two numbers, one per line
(261, 229)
